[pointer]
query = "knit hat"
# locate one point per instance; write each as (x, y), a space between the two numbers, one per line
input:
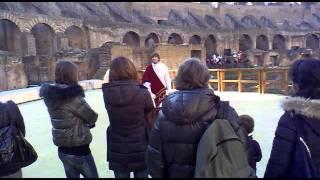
(306, 73)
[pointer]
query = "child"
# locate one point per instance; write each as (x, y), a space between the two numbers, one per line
(254, 147)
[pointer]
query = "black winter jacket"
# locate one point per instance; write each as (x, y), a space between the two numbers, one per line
(285, 136)
(184, 117)
(10, 114)
(126, 103)
(71, 117)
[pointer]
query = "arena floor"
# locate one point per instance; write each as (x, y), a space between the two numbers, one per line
(264, 108)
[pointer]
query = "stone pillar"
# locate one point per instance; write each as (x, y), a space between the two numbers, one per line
(289, 42)
(254, 42)
(29, 44)
(270, 42)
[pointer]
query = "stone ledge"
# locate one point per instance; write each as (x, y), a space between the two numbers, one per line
(31, 94)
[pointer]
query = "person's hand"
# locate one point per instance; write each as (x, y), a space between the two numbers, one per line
(153, 95)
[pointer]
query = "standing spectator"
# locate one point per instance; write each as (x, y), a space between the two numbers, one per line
(10, 114)
(71, 118)
(127, 102)
(157, 79)
(184, 117)
(254, 150)
(301, 115)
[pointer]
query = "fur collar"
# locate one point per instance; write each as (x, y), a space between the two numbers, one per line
(60, 92)
(307, 107)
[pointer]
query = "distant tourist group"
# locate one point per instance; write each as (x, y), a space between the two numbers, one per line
(163, 133)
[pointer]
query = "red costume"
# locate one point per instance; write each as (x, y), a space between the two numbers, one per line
(157, 87)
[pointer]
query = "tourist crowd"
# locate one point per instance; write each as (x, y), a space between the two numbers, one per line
(154, 131)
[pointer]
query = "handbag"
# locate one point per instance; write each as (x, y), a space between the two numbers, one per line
(15, 150)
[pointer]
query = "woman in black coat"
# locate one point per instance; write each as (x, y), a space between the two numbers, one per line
(10, 115)
(184, 117)
(301, 113)
(127, 102)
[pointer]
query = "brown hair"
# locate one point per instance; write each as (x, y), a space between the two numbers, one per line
(155, 55)
(122, 68)
(192, 74)
(248, 122)
(66, 73)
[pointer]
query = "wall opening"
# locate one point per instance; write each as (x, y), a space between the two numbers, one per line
(245, 42)
(10, 37)
(151, 40)
(210, 45)
(312, 42)
(195, 39)
(175, 39)
(262, 43)
(44, 36)
(75, 37)
(196, 53)
(131, 39)
(278, 43)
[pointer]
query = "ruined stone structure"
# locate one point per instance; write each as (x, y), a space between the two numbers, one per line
(33, 36)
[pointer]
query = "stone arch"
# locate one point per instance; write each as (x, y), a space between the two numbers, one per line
(132, 39)
(262, 42)
(312, 41)
(210, 44)
(152, 39)
(42, 20)
(12, 18)
(195, 39)
(75, 37)
(10, 37)
(245, 42)
(175, 39)
(44, 38)
(279, 43)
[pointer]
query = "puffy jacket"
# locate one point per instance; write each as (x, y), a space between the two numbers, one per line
(10, 114)
(285, 136)
(184, 117)
(127, 102)
(71, 117)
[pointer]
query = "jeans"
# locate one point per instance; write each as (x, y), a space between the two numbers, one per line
(76, 165)
(137, 174)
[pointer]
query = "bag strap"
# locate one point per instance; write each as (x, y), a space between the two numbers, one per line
(222, 110)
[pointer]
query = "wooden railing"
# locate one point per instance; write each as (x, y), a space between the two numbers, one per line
(258, 79)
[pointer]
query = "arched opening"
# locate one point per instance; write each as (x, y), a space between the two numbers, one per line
(262, 42)
(245, 42)
(195, 39)
(44, 36)
(151, 39)
(175, 39)
(278, 43)
(312, 41)
(10, 37)
(210, 45)
(75, 37)
(131, 39)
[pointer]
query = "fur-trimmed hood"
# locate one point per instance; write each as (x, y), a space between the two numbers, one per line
(307, 107)
(60, 92)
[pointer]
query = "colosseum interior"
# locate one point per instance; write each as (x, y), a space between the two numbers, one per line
(34, 35)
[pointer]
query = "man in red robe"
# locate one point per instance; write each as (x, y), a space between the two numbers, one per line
(157, 79)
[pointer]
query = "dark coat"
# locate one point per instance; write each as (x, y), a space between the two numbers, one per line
(286, 132)
(127, 102)
(255, 154)
(71, 117)
(10, 114)
(184, 117)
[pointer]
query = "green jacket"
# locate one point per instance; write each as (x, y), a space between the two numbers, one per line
(221, 153)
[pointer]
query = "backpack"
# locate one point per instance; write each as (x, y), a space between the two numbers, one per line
(220, 152)
(301, 166)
